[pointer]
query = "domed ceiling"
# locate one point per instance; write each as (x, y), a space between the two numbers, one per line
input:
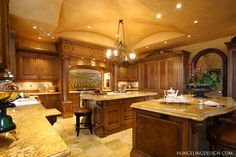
(96, 21)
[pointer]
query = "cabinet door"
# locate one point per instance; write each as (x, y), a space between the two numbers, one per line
(152, 75)
(163, 76)
(47, 68)
(133, 72)
(127, 114)
(141, 76)
(112, 115)
(49, 101)
(27, 66)
(4, 36)
(123, 73)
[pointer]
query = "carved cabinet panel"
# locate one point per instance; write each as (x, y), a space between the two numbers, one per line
(4, 35)
(112, 115)
(32, 66)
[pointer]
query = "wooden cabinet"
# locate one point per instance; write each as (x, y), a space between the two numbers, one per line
(171, 74)
(133, 72)
(157, 134)
(128, 72)
(32, 66)
(48, 67)
(148, 76)
(162, 72)
(113, 115)
(50, 100)
(4, 35)
(123, 73)
(75, 99)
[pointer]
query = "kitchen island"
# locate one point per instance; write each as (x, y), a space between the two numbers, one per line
(35, 135)
(112, 111)
(165, 130)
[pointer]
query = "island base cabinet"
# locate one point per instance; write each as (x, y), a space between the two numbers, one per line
(158, 135)
(113, 116)
(161, 135)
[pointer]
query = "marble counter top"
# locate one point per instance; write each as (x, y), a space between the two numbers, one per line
(116, 96)
(191, 111)
(48, 93)
(36, 137)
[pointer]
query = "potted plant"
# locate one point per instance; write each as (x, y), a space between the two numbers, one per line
(202, 83)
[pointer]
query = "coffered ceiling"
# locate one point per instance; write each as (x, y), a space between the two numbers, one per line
(96, 21)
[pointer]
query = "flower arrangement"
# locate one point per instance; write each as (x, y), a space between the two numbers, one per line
(204, 80)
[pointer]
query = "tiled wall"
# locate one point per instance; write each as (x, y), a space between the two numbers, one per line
(124, 83)
(33, 86)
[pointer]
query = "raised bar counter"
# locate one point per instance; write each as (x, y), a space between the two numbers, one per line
(35, 135)
(168, 129)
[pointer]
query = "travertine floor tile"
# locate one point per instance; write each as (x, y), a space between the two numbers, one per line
(87, 145)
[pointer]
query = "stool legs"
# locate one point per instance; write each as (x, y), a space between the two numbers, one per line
(88, 123)
(90, 126)
(77, 124)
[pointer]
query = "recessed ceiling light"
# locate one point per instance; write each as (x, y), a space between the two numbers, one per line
(189, 36)
(178, 5)
(52, 37)
(158, 15)
(34, 27)
(89, 27)
(165, 42)
(39, 38)
(196, 21)
(147, 47)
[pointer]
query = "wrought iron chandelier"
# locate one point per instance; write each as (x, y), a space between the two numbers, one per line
(120, 52)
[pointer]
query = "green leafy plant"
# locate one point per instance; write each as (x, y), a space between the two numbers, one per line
(204, 80)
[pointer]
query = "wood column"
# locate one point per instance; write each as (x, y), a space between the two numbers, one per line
(66, 104)
(232, 67)
(65, 79)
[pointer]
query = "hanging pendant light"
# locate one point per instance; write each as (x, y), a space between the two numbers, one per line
(120, 52)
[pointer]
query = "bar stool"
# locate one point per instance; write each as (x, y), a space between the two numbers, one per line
(223, 136)
(87, 113)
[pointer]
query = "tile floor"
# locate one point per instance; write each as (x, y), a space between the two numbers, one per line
(87, 145)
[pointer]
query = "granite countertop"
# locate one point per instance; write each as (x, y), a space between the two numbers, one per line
(190, 111)
(47, 93)
(36, 137)
(117, 95)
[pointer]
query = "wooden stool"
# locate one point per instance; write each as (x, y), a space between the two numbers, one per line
(223, 136)
(87, 113)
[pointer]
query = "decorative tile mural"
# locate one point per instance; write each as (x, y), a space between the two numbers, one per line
(84, 79)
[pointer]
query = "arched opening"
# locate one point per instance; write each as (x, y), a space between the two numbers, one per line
(215, 57)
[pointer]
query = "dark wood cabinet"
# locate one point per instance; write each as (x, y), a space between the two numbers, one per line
(171, 74)
(133, 72)
(128, 72)
(161, 72)
(50, 100)
(114, 115)
(75, 99)
(123, 73)
(27, 66)
(48, 67)
(32, 66)
(154, 134)
(148, 76)
(4, 35)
